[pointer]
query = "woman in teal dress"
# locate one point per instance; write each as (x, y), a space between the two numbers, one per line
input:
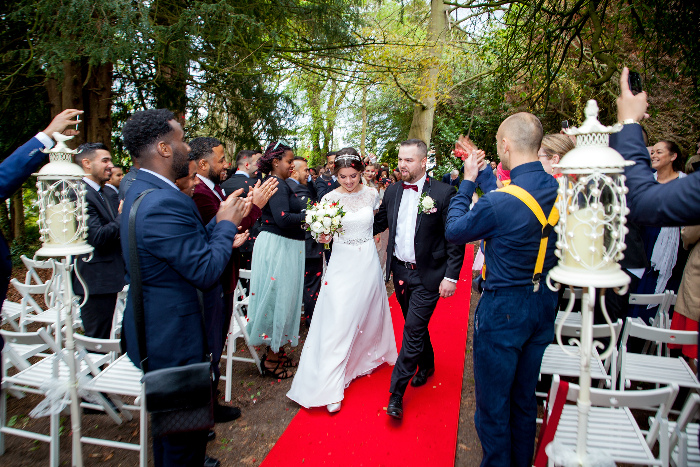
(277, 268)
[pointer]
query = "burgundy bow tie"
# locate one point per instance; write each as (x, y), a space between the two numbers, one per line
(406, 186)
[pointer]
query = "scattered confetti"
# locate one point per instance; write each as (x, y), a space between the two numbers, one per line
(325, 283)
(272, 278)
(400, 282)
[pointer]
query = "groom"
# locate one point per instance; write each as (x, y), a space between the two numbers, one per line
(425, 266)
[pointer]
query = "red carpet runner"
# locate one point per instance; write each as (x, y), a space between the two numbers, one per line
(361, 434)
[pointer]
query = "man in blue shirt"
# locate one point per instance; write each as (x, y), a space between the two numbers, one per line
(514, 321)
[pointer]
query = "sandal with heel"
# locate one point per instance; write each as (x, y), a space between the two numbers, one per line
(279, 371)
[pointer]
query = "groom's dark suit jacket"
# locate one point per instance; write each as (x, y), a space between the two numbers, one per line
(436, 258)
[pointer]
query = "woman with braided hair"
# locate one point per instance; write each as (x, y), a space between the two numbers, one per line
(277, 268)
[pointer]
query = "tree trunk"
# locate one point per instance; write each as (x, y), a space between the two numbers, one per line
(72, 95)
(5, 225)
(423, 114)
(17, 208)
(97, 95)
(170, 84)
(53, 89)
(363, 137)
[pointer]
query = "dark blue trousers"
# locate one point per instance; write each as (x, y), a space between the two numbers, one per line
(180, 450)
(512, 328)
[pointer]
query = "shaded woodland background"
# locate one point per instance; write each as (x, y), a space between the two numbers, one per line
(321, 73)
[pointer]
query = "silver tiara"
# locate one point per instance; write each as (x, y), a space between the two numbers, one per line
(348, 156)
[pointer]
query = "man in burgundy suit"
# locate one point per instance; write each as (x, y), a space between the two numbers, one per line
(211, 161)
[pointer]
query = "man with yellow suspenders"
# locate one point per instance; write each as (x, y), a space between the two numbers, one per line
(514, 321)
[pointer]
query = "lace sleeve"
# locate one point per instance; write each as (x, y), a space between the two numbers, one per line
(377, 200)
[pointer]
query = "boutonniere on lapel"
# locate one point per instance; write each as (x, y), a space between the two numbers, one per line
(426, 204)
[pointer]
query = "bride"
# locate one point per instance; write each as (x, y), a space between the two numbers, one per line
(351, 333)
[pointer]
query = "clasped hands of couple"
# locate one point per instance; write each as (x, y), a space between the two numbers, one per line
(235, 209)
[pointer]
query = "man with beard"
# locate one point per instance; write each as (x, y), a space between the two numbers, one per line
(208, 154)
(103, 275)
(178, 256)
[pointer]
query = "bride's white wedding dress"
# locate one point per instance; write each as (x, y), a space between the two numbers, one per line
(351, 333)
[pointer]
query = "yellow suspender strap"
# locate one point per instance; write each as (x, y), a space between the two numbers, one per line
(547, 225)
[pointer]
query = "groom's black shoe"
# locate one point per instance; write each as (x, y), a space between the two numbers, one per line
(421, 377)
(395, 407)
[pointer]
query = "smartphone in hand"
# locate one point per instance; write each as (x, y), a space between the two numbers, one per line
(634, 80)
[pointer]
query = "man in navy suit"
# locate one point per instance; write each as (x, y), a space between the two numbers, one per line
(178, 256)
(14, 170)
(104, 273)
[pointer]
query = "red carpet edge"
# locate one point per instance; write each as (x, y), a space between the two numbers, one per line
(361, 434)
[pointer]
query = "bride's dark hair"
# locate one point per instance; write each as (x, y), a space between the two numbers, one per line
(348, 158)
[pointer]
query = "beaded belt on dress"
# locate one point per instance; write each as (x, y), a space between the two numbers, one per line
(355, 241)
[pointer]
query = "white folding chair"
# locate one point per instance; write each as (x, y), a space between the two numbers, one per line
(32, 276)
(32, 312)
(684, 446)
(660, 368)
(10, 312)
(662, 300)
(611, 426)
(32, 380)
(116, 330)
(119, 379)
(237, 329)
(19, 348)
(557, 362)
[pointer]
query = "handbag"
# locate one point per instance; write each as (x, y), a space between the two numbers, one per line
(179, 399)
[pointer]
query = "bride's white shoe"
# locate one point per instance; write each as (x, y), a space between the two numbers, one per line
(333, 407)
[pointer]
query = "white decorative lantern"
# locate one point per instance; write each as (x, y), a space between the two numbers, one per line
(62, 206)
(63, 228)
(592, 209)
(591, 238)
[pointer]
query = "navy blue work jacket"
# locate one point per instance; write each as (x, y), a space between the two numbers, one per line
(511, 230)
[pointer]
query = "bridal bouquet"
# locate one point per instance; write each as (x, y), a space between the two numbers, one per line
(323, 218)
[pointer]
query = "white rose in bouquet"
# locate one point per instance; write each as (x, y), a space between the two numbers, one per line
(327, 222)
(309, 218)
(336, 221)
(327, 231)
(332, 212)
(317, 227)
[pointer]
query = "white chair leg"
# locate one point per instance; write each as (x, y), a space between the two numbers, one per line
(230, 349)
(242, 324)
(143, 432)
(3, 418)
(54, 444)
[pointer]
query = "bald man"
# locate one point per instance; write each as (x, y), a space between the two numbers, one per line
(514, 321)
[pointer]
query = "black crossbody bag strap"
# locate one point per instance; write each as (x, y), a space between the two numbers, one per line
(136, 290)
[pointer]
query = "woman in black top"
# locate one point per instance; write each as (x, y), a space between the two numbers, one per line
(277, 269)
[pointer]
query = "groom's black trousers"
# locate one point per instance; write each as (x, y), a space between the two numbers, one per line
(417, 305)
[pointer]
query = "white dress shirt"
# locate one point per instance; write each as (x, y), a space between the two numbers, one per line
(44, 139)
(112, 187)
(210, 184)
(405, 249)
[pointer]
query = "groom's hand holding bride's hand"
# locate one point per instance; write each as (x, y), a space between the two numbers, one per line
(447, 288)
